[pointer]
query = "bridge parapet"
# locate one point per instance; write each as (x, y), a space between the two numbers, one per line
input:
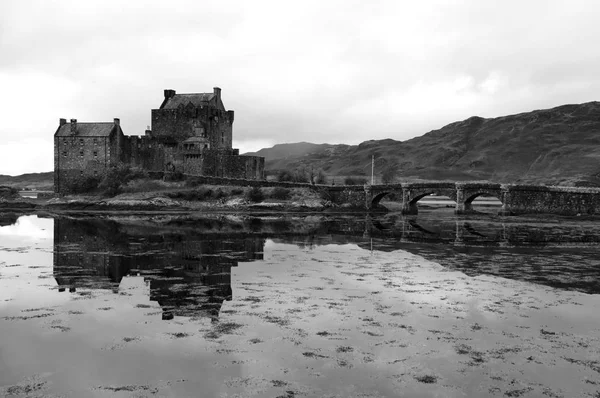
(552, 199)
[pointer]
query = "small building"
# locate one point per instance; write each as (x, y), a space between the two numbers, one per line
(83, 150)
(190, 133)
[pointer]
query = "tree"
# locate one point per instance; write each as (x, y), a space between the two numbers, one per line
(116, 177)
(389, 174)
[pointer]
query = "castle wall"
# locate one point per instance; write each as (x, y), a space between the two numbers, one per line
(214, 124)
(225, 164)
(144, 152)
(77, 158)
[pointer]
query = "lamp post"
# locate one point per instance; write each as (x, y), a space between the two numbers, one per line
(372, 169)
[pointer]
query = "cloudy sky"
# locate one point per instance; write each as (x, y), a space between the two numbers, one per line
(335, 71)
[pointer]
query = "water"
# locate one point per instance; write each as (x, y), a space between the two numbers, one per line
(289, 306)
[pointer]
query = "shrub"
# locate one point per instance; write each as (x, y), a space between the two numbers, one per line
(8, 192)
(285, 176)
(320, 178)
(237, 191)
(355, 181)
(219, 193)
(144, 185)
(389, 174)
(116, 177)
(83, 184)
(298, 175)
(254, 194)
(193, 182)
(332, 196)
(174, 176)
(301, 176)
(280, 193)
(201, 193)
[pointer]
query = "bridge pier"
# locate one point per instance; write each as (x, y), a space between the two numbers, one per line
(459, 238)
(368, 197)
(408, 206)
(505, 198)
(462, 207)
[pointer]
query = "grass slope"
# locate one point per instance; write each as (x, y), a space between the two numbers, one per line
(30, 180)
(554, 146)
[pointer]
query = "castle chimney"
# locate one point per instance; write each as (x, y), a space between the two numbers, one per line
(73, 126)
(169, 93)
(117, 121)
(217, 92)
(62, 122)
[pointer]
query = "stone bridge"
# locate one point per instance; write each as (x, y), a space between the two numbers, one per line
(515, 199)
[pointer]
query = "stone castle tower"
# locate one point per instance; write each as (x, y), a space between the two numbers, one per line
(190, 133)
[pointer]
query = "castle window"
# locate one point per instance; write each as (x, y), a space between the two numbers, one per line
(95, 154)
(199, 132)
(81, 173)
(64, 153)
(95, 141)
(95, 172)
(81, 153)
(64, 141)
(81, 141)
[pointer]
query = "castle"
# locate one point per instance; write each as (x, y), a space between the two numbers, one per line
(190, 133)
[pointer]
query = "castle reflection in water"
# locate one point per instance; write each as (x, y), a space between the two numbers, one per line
(187, 261)
(188, 272)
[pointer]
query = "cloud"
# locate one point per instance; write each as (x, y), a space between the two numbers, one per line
(30, 227)
(27, 155)
(325, 71)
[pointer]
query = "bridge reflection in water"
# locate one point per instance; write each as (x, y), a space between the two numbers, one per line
(187, 262)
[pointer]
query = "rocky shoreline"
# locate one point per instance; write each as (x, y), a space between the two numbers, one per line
(163, 204)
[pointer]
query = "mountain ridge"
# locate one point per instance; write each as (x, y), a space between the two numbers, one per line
(559, 146)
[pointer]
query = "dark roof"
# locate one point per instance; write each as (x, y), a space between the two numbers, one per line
(198, 99)
(102, 129)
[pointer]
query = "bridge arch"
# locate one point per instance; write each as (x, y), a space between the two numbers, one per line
(377, 198)
(379, 194)
(472, 197)
(469, 194)
(413, 195)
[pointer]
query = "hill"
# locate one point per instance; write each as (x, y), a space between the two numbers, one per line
(41, 181)
(554, 146)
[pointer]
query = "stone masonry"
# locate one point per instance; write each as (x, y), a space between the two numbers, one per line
(190, 133)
